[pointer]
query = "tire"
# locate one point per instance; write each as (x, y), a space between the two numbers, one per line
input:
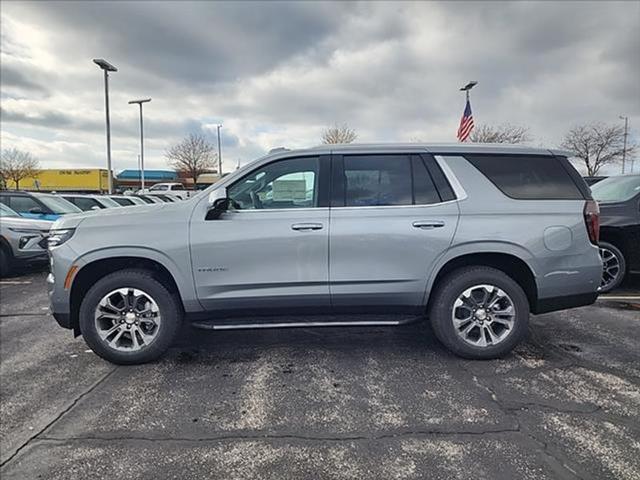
(446, 302)
(6, 261)
(614, 267)
(154, 331)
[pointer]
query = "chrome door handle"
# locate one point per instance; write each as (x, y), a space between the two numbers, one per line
(428, 224)
(305, 227)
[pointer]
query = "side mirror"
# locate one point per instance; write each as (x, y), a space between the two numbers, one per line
(36, 211)
(95, 207)
(219, 206)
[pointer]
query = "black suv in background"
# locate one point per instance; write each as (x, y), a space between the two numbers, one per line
(619, 200)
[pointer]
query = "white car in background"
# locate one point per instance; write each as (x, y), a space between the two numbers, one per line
(21, 239)
(175, 189)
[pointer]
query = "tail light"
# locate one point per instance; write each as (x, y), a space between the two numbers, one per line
(592, 220)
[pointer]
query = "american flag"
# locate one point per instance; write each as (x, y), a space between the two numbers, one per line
(466, 123)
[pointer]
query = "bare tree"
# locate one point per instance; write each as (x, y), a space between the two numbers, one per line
(338, 134)
(505, 133)
(596, 145)
(194, 155)
(17, 165)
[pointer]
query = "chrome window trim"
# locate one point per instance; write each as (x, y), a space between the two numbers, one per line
(457, 187)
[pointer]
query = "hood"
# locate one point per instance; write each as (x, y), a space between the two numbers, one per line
(120, 215)
(21, 222)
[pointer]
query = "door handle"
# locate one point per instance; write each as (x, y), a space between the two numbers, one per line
(428, 224)
(305, 227)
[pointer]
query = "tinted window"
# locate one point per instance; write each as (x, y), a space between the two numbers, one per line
(24, 204)
(125, 202)
(177, 187)
(291, 183)
(373, 180)
(424, 191)
(159, 188)
(528, 177)
(84, 204)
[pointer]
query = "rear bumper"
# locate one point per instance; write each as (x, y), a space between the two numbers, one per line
(552, 304)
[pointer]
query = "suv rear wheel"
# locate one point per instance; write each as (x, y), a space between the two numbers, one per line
(613, 266)
(479, 312)
(129, 317)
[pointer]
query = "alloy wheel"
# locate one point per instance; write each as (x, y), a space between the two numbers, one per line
(483, 315)
(610, 268)
(127, 319)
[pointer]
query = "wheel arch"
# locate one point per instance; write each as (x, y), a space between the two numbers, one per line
(93, 268)
(507, 260)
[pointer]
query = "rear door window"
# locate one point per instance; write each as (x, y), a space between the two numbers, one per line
(528, 177)
(377, 180)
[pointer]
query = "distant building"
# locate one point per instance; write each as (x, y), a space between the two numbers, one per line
(94, 180)
(130, 179)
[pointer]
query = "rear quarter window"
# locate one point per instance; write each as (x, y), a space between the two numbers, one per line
(528, 177)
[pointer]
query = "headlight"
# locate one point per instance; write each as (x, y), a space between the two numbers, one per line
(58, 237)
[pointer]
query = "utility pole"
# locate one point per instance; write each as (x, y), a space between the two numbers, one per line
(140, 102)
(624, 148)
(107, 67)
(219, 153)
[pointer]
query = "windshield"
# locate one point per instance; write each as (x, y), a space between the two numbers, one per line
(6, 211)
(58, 205)
(616, 189)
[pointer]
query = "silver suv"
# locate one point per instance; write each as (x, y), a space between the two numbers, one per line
(475, 237)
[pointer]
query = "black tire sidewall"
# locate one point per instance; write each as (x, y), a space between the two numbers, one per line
(452, 286)
(623, 265)
(6, 262)
(168, 305)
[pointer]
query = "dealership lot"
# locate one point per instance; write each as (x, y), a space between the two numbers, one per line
(322, 403)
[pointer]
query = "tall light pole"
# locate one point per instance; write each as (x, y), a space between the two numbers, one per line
(624, 148)
(140, 102)
(219, 153)
(468, 87)
(107, 67)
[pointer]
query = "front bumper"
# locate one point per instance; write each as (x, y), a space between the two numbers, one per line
(63, 319)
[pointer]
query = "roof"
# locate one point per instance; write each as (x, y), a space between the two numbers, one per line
(148, 175)
(499, 148)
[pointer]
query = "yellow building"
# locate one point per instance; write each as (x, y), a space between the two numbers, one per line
(76, 180)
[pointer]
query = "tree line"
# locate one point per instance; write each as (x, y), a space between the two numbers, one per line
(594, 145)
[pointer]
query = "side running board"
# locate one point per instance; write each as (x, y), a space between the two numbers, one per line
(251, 326)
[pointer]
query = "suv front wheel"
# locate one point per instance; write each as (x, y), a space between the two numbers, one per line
(129, 317)
(479, 312)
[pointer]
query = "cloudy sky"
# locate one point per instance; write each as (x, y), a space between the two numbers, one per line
(275, 74)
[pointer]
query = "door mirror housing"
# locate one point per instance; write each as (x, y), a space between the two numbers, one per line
(36, 211)
(219, 206)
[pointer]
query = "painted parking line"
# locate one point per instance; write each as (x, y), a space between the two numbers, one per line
(619, 297)
(14, 282)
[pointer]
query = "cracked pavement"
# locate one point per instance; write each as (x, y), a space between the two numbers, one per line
(321, 403)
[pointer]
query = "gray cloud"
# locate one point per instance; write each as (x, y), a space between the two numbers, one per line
(275, 73)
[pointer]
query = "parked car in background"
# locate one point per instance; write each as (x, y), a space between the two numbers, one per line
(21, 239)
(127, 200)
(176, 189)
(90, 202)
(619, 200)
(593, 180)
(40, 206)
(473, 236)
(148, 199)
(164, 197)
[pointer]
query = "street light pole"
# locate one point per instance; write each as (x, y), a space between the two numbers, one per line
(107, 67)
(140, 102)
(219, 153)
(624, 147)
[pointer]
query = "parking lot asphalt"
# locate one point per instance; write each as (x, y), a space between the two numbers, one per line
(322, 403)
